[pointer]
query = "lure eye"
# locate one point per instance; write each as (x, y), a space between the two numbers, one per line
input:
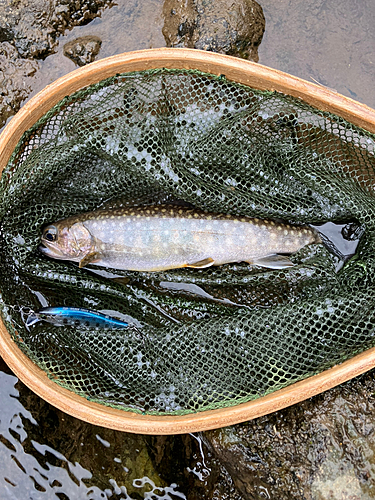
(50, 234)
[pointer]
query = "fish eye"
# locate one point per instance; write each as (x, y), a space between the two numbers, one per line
(50, 234)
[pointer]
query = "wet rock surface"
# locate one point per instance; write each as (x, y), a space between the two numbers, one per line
(199, 473)
(230, 27)
(321, 449)
(33, 26)
(28, 32)
(15, 80)
(83, 50)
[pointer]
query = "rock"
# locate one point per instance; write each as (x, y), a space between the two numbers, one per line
(29, 30)
(15, 80)
(36, 24)
(226, 26)
(180, 23)
(83, 50)
(186, 460)
(321, 449)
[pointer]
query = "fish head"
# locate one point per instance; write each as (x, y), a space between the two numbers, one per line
(66, 242)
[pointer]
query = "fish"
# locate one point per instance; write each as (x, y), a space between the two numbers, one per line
(162, 237)
(74, 316)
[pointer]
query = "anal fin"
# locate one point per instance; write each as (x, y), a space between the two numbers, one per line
(273, 261)
(201, 264)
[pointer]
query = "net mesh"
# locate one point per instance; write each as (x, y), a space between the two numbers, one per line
(206, 338)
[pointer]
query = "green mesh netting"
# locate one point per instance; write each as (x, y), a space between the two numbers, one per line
(212, 337)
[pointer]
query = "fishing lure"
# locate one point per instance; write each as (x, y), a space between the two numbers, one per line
(74, 316)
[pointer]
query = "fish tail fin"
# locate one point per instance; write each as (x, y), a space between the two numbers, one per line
(341, 240)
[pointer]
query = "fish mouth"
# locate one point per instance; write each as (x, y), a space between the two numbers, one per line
(51, 251)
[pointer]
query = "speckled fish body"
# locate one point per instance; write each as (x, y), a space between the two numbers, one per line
(74, 316)
(167, 237)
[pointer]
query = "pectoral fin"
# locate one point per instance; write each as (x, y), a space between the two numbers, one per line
(90, 257)
(273, 261)
(202, 263)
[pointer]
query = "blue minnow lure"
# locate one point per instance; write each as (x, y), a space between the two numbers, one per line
(74, 316)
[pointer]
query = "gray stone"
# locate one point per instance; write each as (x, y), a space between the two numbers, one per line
(15, 79)
(226, 26)
(28, 31)
(321, 449)
(83, 50)
(35, 24)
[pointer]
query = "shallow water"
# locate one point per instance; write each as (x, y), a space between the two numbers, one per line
(46, 454)
(324, 42)
(41, 458)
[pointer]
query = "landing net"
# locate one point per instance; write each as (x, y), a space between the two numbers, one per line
(206, 338)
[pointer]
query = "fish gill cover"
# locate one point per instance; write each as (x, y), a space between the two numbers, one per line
(205, 338)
